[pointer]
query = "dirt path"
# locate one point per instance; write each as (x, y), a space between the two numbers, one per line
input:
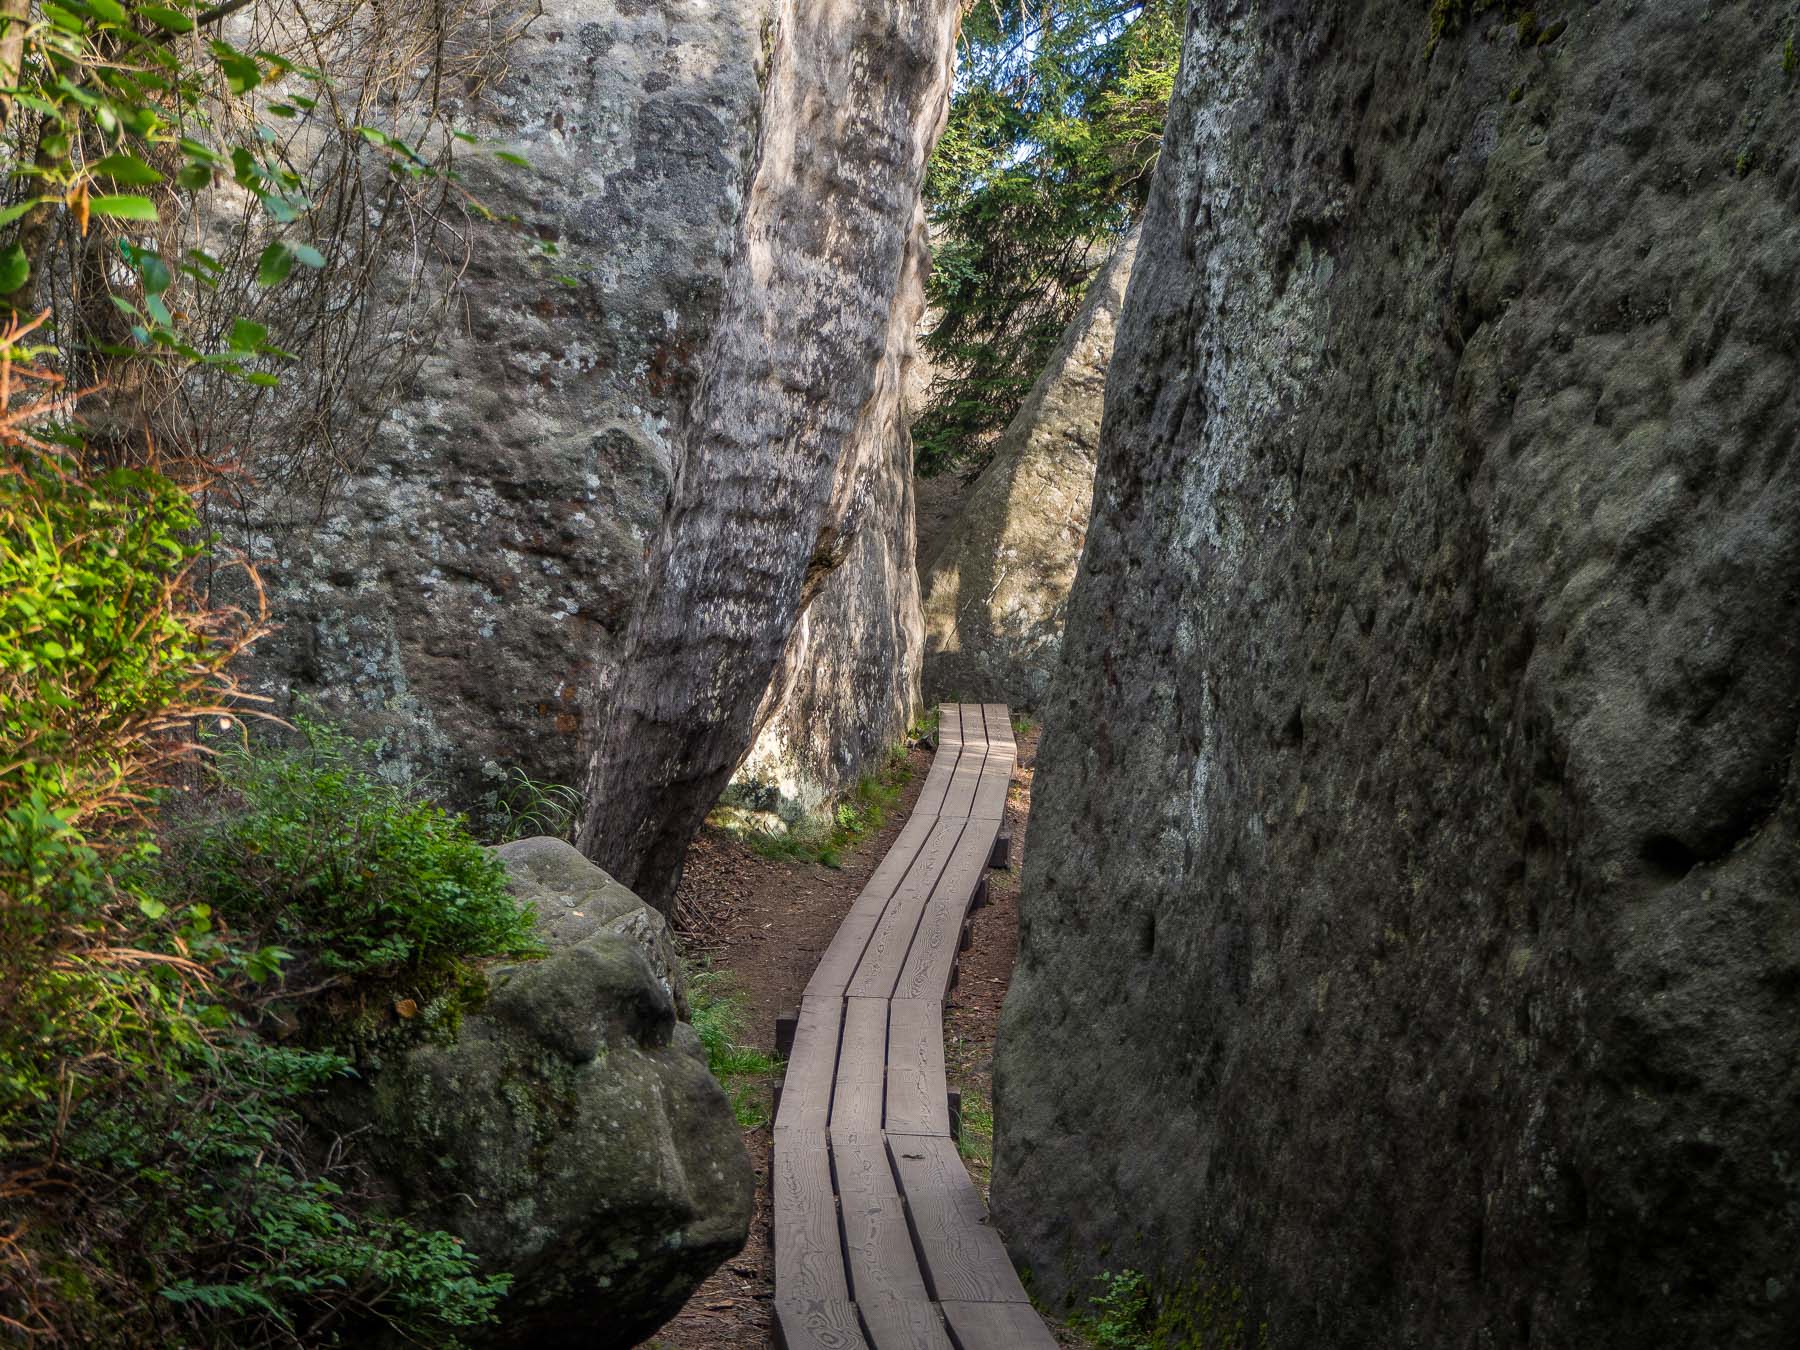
(766, 923)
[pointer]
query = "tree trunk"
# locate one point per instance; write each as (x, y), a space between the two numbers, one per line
(856, 97)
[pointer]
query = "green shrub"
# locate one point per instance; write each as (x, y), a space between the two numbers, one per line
(1202, 1312)
(745, 1072)
(103, 653)
(1121, 1318)
(310, 847)
(216, 1218)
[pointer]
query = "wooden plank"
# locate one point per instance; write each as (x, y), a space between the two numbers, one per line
(916, 1101)
(892, 869)
(817, 1324)
(937, 780)
(811, 1069)
(884, 1272)
(832, 975)
(809, 1258)
(989, 802)
(974, 730)
(949, 724)
(960, 797)
(964, 1258)
(997, 1326)
(861, 1073)
(926, 973)
(997, 718)
(886, 952)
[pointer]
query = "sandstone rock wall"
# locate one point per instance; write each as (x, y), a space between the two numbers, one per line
(1409, 919)
(847, 687)
(996, 591)
(857, 93)
(470, 582)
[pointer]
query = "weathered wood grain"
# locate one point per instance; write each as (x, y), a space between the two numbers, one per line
(996, 1326)
(817, 1324)
(964, 1258)
(811, 1069)
(915, 1068)
(809, 1257)
(884, 1272)
(926, 971)
(959, 797)
(989, 801)
(861, 1081)
(887, 947)
(832, 975)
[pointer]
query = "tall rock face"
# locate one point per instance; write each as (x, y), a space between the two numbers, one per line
(857, 93)
(1410, 921)
(471, 578)
(997, 590)
(847, 685)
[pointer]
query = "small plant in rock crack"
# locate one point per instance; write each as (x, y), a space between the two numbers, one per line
(1121, 1317)
(521, 807)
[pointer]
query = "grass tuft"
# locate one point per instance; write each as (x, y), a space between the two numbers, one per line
(746, 1073)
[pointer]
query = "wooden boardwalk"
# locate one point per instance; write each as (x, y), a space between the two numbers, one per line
(881, 1240)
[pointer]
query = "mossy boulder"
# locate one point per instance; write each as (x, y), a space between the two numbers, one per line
(571, 1132)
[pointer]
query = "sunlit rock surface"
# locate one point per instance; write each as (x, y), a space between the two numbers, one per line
(997, 589)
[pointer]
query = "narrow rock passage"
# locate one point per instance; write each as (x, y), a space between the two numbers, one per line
(881, 1239)
(767, 923)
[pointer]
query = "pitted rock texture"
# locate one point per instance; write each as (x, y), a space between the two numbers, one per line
(1410, 920)
(469, 583)
(571, 1133)
(857, 94)
(997, 590)
(847, 687)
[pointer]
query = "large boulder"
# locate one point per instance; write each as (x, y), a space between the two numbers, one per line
(465, 585)
(996, 590)
(1411, 915)
(571, 1132)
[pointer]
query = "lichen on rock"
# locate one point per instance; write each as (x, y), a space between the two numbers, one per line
(571, 1132)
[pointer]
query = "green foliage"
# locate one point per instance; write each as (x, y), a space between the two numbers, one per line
(1054, 128)
(314, 848)
(521, 807)
(975, 1136)
(1199, 1313)
(154, 1186)
(717, 1013)
(1121, 1318)
(101, 652)
(228, 1226)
